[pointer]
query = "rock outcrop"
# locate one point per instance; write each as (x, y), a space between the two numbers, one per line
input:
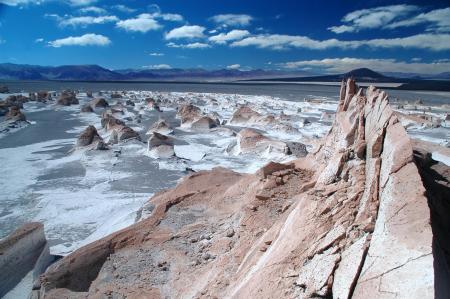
(161, 127)
(119, 131)
(204, 123)
(67, 98)
(246, 116)
(188, 113)
(15, 114)
(20, 252)
(350, 220)
(160, 146)
(251, 141)
(91, 138)
(99, 103)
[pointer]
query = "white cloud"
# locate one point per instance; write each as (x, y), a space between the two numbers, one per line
(155, 12)
(223, 38)
(342, 65)
(189, 46)
(142, 23)
(84, 20)
(158, 67)
(438, 20)
(232, 19)
(170, 17)
(234, 67)
(82, 2)
(156, 54)
(39, 40)
(89, 39)
(123, 8)
(376, 17)
(281, 42)
(426, 41)
(93, 9)
(19, 2)
(186, 31)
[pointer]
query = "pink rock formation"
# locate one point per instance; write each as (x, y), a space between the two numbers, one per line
(349, 220)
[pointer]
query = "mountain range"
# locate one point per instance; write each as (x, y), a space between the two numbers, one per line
(10, 71)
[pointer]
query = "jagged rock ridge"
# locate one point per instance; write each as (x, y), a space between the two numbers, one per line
(349, 220)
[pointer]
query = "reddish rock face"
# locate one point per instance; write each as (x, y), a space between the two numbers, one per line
(349, 220)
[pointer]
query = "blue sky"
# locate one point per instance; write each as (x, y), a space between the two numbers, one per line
(316, 36)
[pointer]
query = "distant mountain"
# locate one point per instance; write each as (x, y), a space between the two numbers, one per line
(9, 71)
(368, 75)
(361, 75)
(441, 76)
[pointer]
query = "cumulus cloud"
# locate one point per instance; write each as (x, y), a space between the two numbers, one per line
(83, 20)
(89, 39)
(20, 2)
(123, 8)
(158, 67)
(426, 41)
(186, 31)
(223, 38)
(82, 2)
(189, 46)
(93, 9)
(342, 65)
(437, 20)
(232, 19)
(170, 17)
(39, 40)
(156, 54)
(234, 67)
(372, 17)
(142, 23)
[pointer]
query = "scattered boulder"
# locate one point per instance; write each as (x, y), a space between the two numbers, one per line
(188, 113)
(160, 146)
(243, 115)
(90, 137)
(89, 94)
(161, 127)
(250, 140)
(152, 104)
(67, 98)
(109, 122)
(157, 139)
(129, 103)
(126, 133)
(15, 114)
(87, 108)
(204, 123)
(43, 96)
(99, 103)
(116, 95)
(16, 100)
